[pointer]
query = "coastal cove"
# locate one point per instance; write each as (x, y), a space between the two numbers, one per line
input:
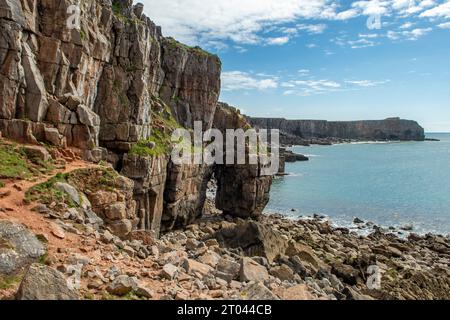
(390, 184)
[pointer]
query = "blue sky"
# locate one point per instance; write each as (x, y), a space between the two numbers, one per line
(323, 59)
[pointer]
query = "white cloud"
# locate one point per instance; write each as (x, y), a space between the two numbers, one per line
(311, 45)
(369, 36)
(303, 72)
(445, 25)
(345, 15)
(361, 43)
(238, 80)
(262, 22)
(411, 35)
(312, 28)
(366, 83)
(278, 41)
(442, 10)
(406, 25)
(241, 21)
(310, 87)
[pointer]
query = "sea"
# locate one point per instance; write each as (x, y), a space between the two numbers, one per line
(392, 184)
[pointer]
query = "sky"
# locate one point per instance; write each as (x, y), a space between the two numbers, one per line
(323, 59)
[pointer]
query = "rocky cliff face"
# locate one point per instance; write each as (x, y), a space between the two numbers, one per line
(114, 88)
(389, 129)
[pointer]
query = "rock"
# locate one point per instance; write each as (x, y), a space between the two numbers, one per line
(107, 237)
(144, 292)
(122, 285)
(176, 258)
(407, 227)
(57, 230)
(358, 221)
(121, 228)
(283, 272)
(18, 247)
(102, 198)
(193, 267)
(229, 267)
(129, 250)
(44, 283)
(257, 291)
(36, 153)
(210, 258)
(252, 271)
(53, 137)
(41, 208)
(69, 190)
(296, 293)
(116, 211)
(87, 116)
(192, 244)
(211, 243)
(346, 273)
(92, 218)
(304, 253)
(169, 271)
(351, 294)
(255, 238)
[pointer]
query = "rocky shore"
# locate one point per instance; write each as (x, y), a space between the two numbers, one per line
(77, 252)
(92, 207)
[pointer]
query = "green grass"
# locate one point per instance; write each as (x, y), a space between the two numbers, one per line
(164, 124)
(9, 282)
(174, 44)
(13, 163)
(162, 145)
(46, 193)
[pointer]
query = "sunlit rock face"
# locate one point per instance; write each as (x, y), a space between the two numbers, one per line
(388, 129)
(102, 86)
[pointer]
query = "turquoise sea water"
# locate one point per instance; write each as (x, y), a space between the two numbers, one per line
(390, 184)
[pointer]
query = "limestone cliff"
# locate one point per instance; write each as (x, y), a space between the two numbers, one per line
(114, 88)
(388, 129)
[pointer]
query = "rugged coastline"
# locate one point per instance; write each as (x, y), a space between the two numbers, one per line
(321, 132)
(218, 256)
(92, 207)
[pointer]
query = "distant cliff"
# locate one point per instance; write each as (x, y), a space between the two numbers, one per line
(388, 129)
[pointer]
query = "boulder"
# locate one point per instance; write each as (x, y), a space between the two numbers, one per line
(69, 190)
(121, 228)
(296, 293)
(44, 283)
(35, 153)
(122, 285)
(210, 258)
(304, 253)
(169, 271)
(255, 239)
(194, 267)
(346, 272)
(257, 291)
(116, 211)
(252, 271)
(18, 247)
(283, 272)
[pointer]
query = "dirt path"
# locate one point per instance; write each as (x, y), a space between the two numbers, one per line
(14, 208)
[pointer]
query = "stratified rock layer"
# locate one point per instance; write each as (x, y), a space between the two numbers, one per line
(109, 84)
(388, 129)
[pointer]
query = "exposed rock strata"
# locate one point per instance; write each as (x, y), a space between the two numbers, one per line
(105, 87)
(323, 132)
